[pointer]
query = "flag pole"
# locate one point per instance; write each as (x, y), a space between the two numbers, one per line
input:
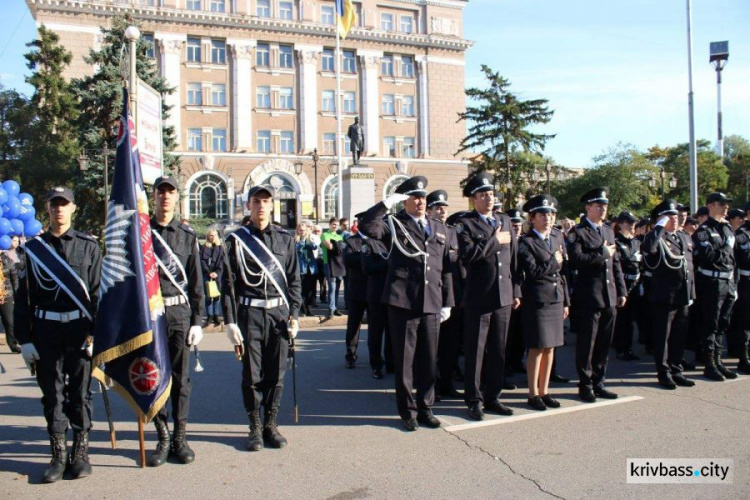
(339, 139)
(142, 441)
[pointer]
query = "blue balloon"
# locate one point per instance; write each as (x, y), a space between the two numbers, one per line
(5, 226)
(17, 227)
(27, 213)
(32, 228)
(26, 199)
(3, 196)
(5, 242)
(11, 208)
(12, 188)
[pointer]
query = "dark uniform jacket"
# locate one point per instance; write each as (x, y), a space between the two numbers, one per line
(410, 283)
(742, 247)
(629, 251)
(82, 254)
(375, 266)
(544, 279)
(356, 279)
(599, 279)
(458, 272)
(281, 243)
(713, 247)
(669, 286)
(182, 240)
(492, 273)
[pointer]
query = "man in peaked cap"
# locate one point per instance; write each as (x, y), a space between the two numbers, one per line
(629, 250)
(356, 298)
(514, 350)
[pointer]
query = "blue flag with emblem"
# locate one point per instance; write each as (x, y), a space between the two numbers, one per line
(130, 334)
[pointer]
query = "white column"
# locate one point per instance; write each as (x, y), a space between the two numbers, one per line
(370, 64)
(424, 109)
(242, 92)
(308, 57)
(170, 53)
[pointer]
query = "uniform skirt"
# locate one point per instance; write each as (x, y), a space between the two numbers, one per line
(542, 324)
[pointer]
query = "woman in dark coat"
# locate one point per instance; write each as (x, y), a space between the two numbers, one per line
(308, 265)
(212, 264)
(542, 256)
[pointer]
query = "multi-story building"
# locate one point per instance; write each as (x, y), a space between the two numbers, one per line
(255, 93)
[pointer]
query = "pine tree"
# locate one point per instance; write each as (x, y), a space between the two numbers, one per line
(16, 117)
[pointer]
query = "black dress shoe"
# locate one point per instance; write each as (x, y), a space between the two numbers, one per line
(497, 407)
(410, 424)
(377, 374)
(631, 356)
(587, 395)
(559, 379)
(550, 402)
(508, 385)
(682, 381)
(15, 348)
(350, 363)
(536, 403)
(336, 312)
(667, 383)
(602, 392)
(475, 412)
(427, 419)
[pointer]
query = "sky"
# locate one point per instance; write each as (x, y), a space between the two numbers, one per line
(613, 71)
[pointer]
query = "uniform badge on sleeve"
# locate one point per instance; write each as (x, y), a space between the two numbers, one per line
(702, 235)
(460, 227)
(572, 237)
(741, 238)
(366, 249)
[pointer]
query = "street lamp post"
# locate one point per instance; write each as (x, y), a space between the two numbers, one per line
(547, 168)
(315, 158)
(719, 56)
(83, 165)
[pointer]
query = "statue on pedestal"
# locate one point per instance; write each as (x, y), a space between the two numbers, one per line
(356, 135)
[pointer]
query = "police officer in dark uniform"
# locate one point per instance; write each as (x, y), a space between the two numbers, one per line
(628, 249)
(418, 291)
(715, 282)
(488, 250)
(742, 307)
(181, 280)
(54, 323)
(356, 293)
(671, 291)
(375, 265)
(515, 349)
(599, 288)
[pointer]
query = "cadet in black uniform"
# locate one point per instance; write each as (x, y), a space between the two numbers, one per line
(598, 289)
(488, 249)
(264, 280)
(181, 281)
(375, 265)
(742, 307)
(418, 291)
(628, 249)
(54, 325)
(671, 291)
(515, 349)
(356, 293)
(715, 282)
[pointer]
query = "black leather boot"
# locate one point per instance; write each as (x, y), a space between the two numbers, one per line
(59, 445)
(79, 456)
(161, 453)
(255, 437)
(271, 434)
(744, 365)
(723, 369)
(180, 449)
(711, 372)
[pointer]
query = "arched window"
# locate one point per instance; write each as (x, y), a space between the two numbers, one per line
(330, 198)
(284, 188)
(390, 186)
(208, 198)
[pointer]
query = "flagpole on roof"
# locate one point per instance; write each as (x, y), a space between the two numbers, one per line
(339, 139)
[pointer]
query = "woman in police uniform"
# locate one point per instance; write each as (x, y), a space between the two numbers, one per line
(541, 254)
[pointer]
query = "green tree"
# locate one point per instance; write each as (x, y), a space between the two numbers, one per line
(712, 173)
(499, 129)
(737, 161)
(16, 116)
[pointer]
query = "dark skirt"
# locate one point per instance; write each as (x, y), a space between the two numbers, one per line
(542, 325)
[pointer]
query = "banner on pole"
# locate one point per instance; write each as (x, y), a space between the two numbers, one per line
(149, 129)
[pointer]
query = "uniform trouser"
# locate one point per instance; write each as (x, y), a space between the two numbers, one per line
(264, 332)
(308, 289)
(485, 337)
(515, 347)
(742, 308)
(6, 315)
(178, 325)
(669, 327)
(717, 298)
(355, 310)
(623, 337)
(377, 330)
(414, 337)
(449, 345)
(693, 340)
(60, 356)
(594, 329)
(643, 317)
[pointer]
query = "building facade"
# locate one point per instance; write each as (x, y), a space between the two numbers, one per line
(255, 94)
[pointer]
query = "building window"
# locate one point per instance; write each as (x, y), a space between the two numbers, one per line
(194, 94)
(263, 97)
(386, 22)
(218, 52)
(194, 50)
(389, 147)
(193, 4)
(264, 141)
(219, 141)
(350, 102)
(285, 10)
(390, 188)
(218, 94)
(147, 3)
(407, 24)
(285, 56)
(347, 143)
(194, 139)
(262, 55)
(287, 142)
(407, 105)
(150, 50)
(326, 15)
(330, 198)
(387, 105)
(286, 98)
(328, 60)
(218, 5)
(350, 62)
(386, 66)
(208, 198)
(329, 101)
(329, 144)
(263, 8)
(407, 148)
(407, 67)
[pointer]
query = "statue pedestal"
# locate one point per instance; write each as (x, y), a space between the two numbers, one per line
(358, 189)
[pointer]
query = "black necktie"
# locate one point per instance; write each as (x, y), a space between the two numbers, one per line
(549, 243)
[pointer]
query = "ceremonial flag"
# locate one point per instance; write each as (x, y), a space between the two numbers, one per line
(130, 335)
(345, 17)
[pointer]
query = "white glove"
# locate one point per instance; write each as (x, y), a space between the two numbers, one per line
(195, 335)
(88, 347)
(662, 221)
(293, 328)
(393, 199)
(29, 355)
(234, 334)
(445, 313)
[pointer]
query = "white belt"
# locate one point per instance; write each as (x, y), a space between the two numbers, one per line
(62, 317)
(175, 301)
(715, 274)
(632, 277)
(744, 273)
(260, 303)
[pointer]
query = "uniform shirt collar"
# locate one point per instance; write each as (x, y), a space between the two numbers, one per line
(541, 236)
(422, 221)
(67, 235)
(595, 226)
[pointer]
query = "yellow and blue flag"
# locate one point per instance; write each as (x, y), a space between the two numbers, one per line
(345, 17)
